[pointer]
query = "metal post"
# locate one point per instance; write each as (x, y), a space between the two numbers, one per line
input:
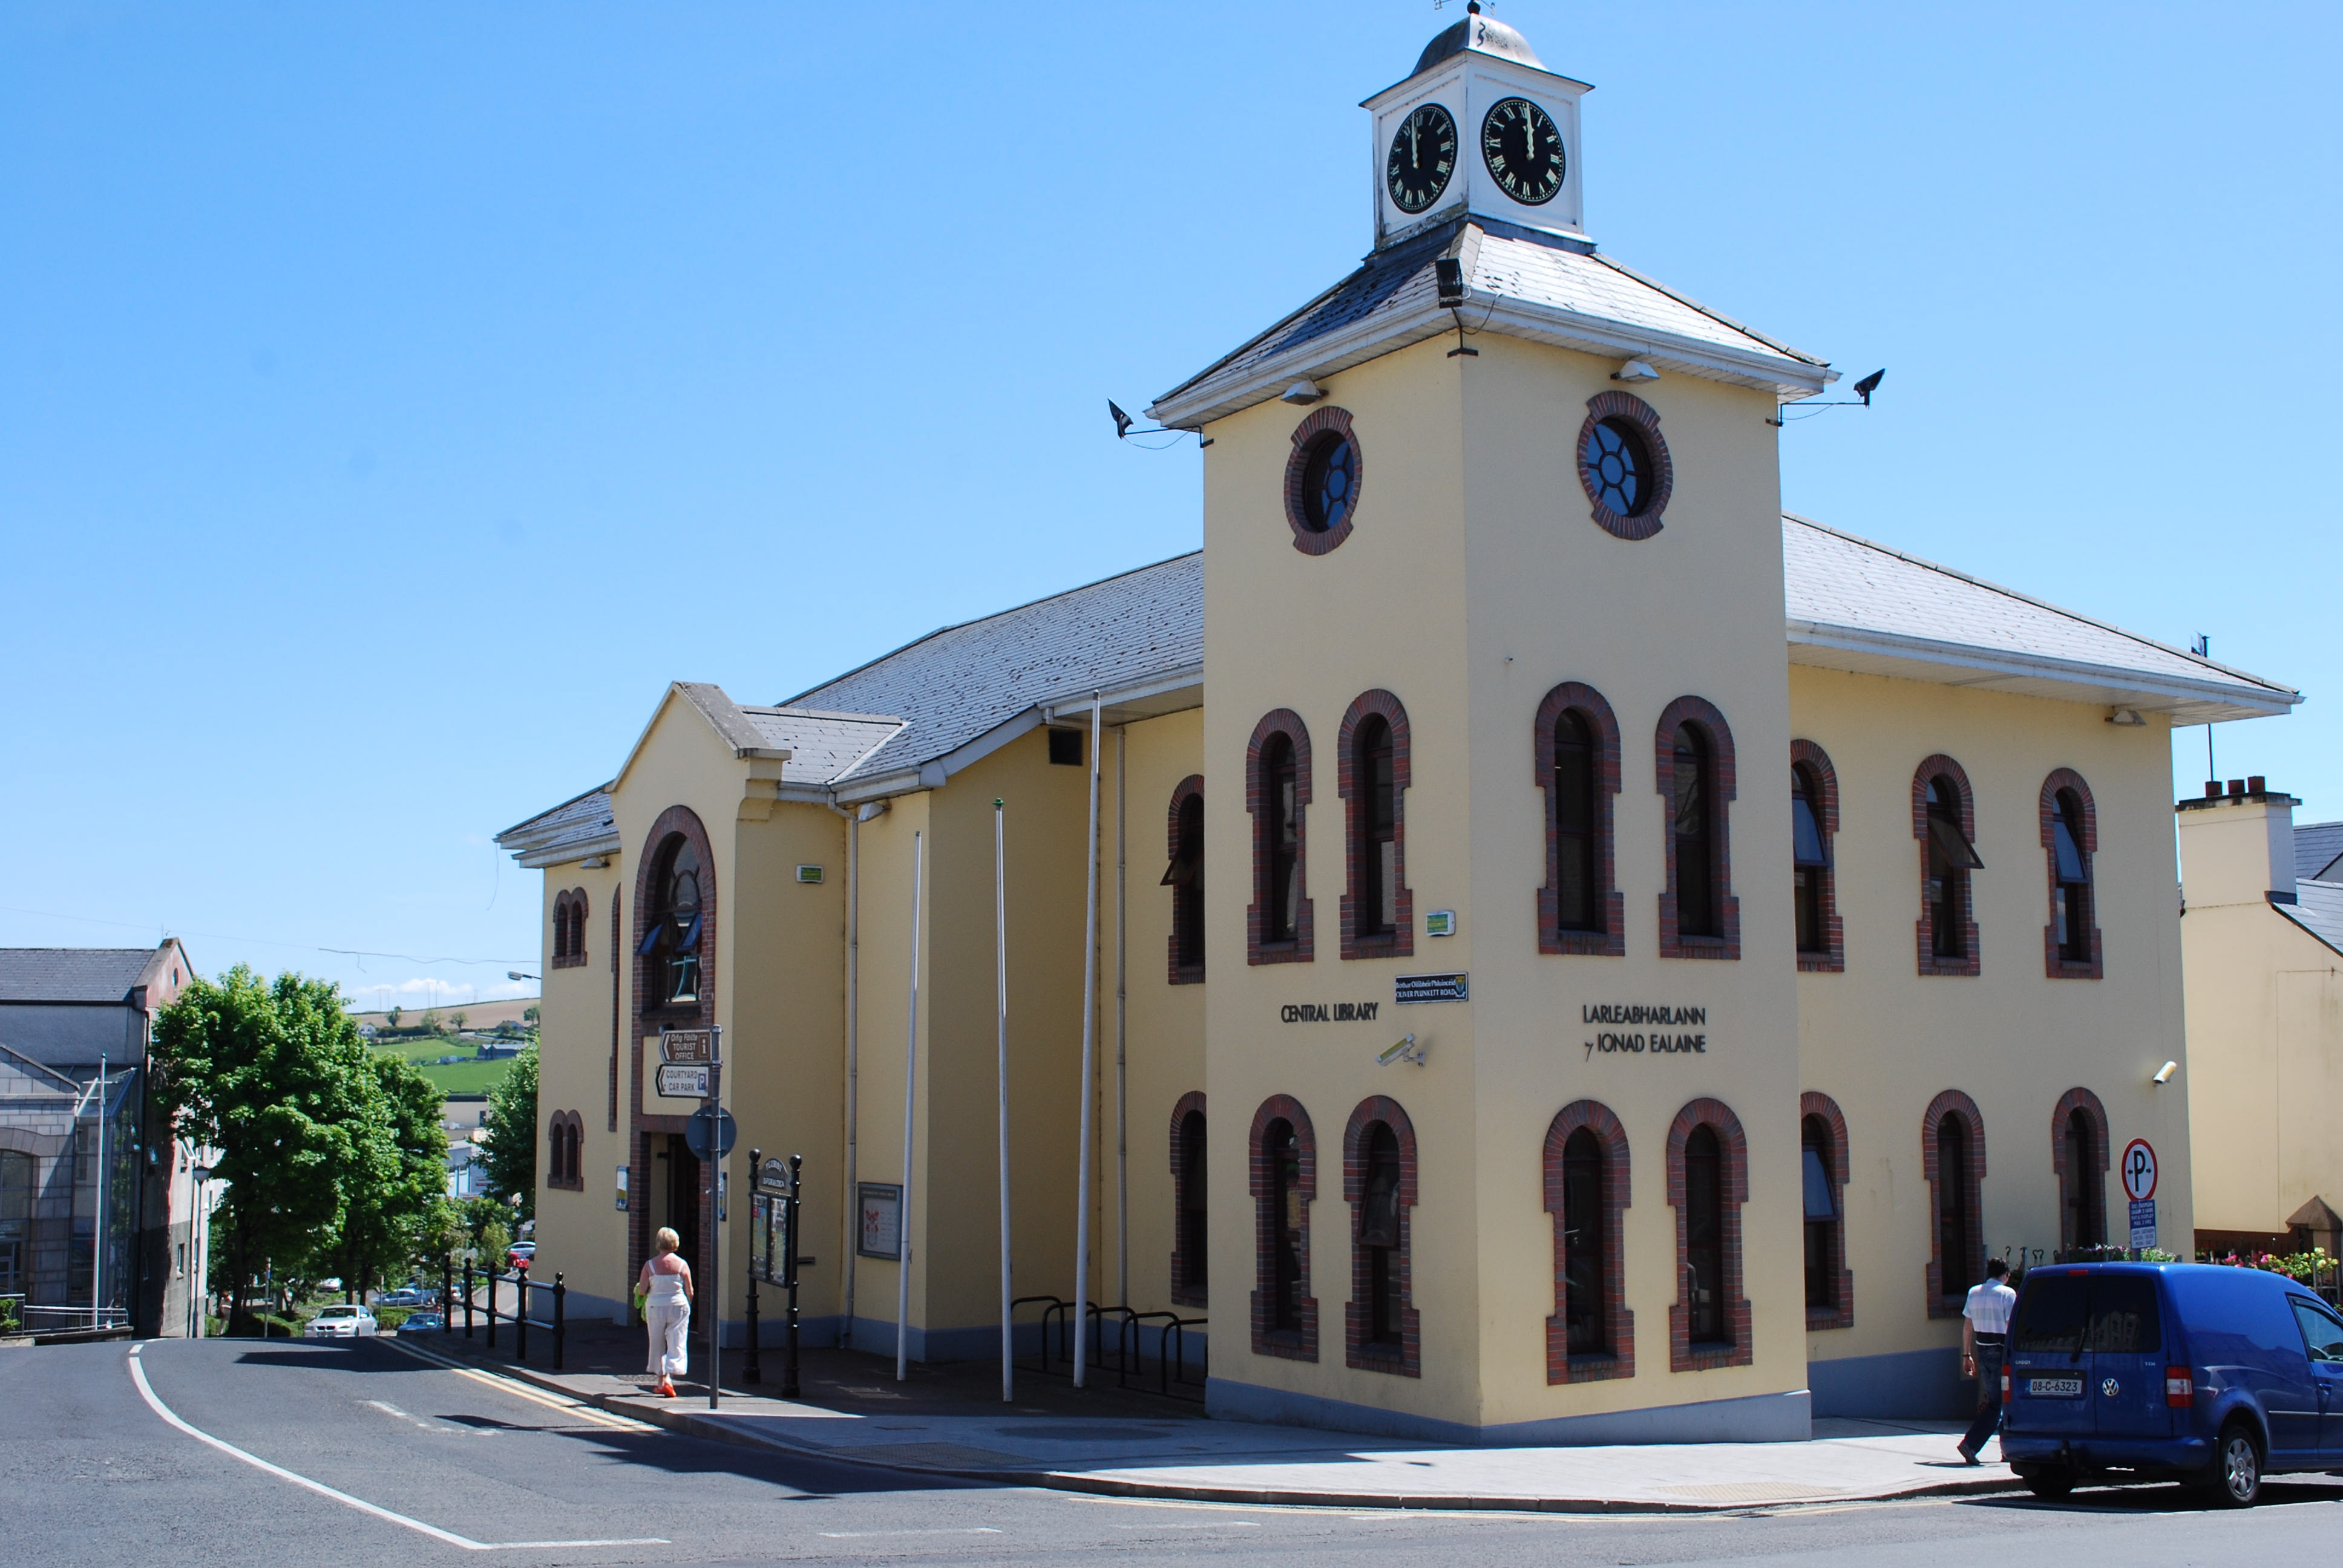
(520, 1313)
(750, 1369)
(447, 1295)
(1001, 1001)
(910, 1084)
(467, 1293)
(561, 1322)
(492, 1307)
(789, 1231)
(853, 1193)
(715, 1168)
(97, 1223)
(1121, 1016)
(1090, 1030)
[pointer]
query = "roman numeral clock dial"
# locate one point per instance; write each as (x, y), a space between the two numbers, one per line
(1423, 157)
(1522, 147)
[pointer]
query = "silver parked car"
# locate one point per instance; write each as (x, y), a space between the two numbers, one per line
(342, 1323)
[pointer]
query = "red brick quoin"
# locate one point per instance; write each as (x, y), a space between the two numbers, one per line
(2053, 964)
(1632, 410)
(1682, 1355)
(1302, 1345)
(1698, 711)
(642, 1126)
(1840, 1314)
(1817, 761)
(1406, 1359)
(1924, 932)
(1401, 943)
(1611, 941)
(1561, 1366)
(1186, 790)
(1952, 1102)
(1184, 1292)
(1302, 949)
(1311, 541)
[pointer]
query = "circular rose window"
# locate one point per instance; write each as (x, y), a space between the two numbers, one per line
(1321, 481)
(1624, 463)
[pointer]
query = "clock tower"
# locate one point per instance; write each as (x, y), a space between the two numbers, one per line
(1482, 128)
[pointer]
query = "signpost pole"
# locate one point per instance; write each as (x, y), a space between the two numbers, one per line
(750, 1369)
(715, 1219)
(789, 1231)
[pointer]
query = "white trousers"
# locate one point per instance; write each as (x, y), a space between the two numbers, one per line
(670, 1326)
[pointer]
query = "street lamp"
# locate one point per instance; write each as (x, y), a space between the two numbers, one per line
(201, 1288)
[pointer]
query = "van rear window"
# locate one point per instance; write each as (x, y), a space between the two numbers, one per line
(2052, 1314)
(2124, 1319)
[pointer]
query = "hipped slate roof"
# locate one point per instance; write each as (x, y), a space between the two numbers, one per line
(892, 724)
(2318, 852)
(2319, 909)
(71, 974)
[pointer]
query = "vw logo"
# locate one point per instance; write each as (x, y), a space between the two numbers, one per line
(2110, 1388)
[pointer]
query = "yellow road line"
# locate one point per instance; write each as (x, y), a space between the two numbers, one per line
(522, 1390)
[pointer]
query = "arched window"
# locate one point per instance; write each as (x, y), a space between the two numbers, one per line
(1378, 910)
(1709, 1183)
(15, 1221)
(577, 926)
(1577, 760)
(2070, 942)
(565, 1139)
(1952, 1157)
(1379, 1181)
(1699, 916)
(1285, 1180)
(672, 942)
(1277, 793)
(560, 928)
(1185, 877)
(1944, 821)
(1823, 1169)
(1592, 1335)
(1814, 823)
(2079, 1155)
(1191, 1237)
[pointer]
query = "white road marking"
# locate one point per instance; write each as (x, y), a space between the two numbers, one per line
(1230, 1524)
(394, 1410)
(866, 1534)
(585, 1412)
(146, 1392)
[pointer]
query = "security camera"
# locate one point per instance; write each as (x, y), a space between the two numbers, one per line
(1403, 1049)
(2163, 1074)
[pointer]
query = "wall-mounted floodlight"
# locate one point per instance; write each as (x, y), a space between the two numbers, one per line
(872, 811)
(593, 862)
(2128, 718)
(1301, 393)
(1449, 272)
(1868, 385)
(1636, 370)
(1403, 1049)
(2163, 1074)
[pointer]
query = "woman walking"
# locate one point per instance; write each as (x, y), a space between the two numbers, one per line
(665, 1289)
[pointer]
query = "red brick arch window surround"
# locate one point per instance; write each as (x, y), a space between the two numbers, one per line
(1683, 1354)
(1952, 1102)
(1185, 1291)
(569, 929)
(1831, 960)
(1302, 949)
(1702, 714)
(558, 953)
(1561, 1366)
(1611, 941)
(1406, 1358)
(1300, 1346)
(1840, 1314)
(2053, 964)
(1400, 942)
(2084, 1100)
(565, 1147)
(1632, 410)
(643, 1126)
(1313, 541)
(1189, 789)
(1925, 933)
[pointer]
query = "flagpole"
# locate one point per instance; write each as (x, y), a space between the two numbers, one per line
(1089, 1027)
(1000, 997)
(910, 1082)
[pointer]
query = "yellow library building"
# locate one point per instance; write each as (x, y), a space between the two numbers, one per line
(1444, 1031)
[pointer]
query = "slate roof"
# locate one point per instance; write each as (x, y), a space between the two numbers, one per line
(577, 828)
(1583, 297)
(71, 974)
(956, 684)
(823, 747)
(2319, 909)
(2318, 852)
(1849, 593)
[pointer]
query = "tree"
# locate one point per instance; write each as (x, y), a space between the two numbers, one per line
(393, 1016)
(394, 1189)
(455, 1021)
(431, 1024)
(508, 1134)
(529, 1015)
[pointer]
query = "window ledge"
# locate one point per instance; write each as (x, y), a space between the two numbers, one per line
(1599, 1367)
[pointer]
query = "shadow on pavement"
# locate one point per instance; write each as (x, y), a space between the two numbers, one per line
(2164, 1497)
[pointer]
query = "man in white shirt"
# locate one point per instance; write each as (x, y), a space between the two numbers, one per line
(1984, 1340)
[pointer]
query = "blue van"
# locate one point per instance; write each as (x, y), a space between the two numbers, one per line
(2202, 1373)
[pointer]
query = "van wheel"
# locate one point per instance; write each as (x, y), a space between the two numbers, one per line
(2050, 1485)
(2236, 1478)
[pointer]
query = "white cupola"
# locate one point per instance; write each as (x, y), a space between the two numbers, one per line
(1480, 126)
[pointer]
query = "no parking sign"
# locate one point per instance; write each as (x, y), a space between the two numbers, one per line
(2139, 1172)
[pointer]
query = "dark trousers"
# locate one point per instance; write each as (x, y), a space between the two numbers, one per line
(1988, 1413)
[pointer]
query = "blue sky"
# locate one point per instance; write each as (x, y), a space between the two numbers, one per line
(393, 398)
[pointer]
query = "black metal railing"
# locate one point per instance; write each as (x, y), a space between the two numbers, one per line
(551, 1299)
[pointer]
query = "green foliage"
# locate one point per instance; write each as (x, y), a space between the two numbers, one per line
(330, 1154)
(393, 1016)
(508, 1133)
(2314, 1267)
(8, 1325)
(431, 1024)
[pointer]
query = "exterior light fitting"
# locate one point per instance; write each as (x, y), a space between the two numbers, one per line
(2163, 1074)
(1448, 273)
(2127, 717)
(593, 862)
(1305, 391)
(1635, 370)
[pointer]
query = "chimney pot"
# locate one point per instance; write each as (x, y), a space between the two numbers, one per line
(2256, 785)
(2236, 789)
(2212, 789)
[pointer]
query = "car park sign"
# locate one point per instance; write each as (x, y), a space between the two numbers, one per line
(2139, 1172)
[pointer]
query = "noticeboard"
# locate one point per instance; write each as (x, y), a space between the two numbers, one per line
(879, 1219)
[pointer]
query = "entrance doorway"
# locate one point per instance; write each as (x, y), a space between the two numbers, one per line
(678, 1203)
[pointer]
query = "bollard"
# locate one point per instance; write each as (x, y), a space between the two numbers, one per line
(467, 1298)
(520, 1313)
(559, 1331)
(492, 1309)
(447, 1293)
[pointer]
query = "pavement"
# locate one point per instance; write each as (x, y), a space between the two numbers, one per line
(950, 1421)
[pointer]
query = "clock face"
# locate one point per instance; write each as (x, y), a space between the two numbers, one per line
(1522, 147)
(1423, 156)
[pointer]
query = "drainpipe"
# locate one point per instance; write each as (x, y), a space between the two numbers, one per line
(1122, 999)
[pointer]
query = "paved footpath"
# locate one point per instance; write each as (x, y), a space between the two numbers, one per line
(951, 1422)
